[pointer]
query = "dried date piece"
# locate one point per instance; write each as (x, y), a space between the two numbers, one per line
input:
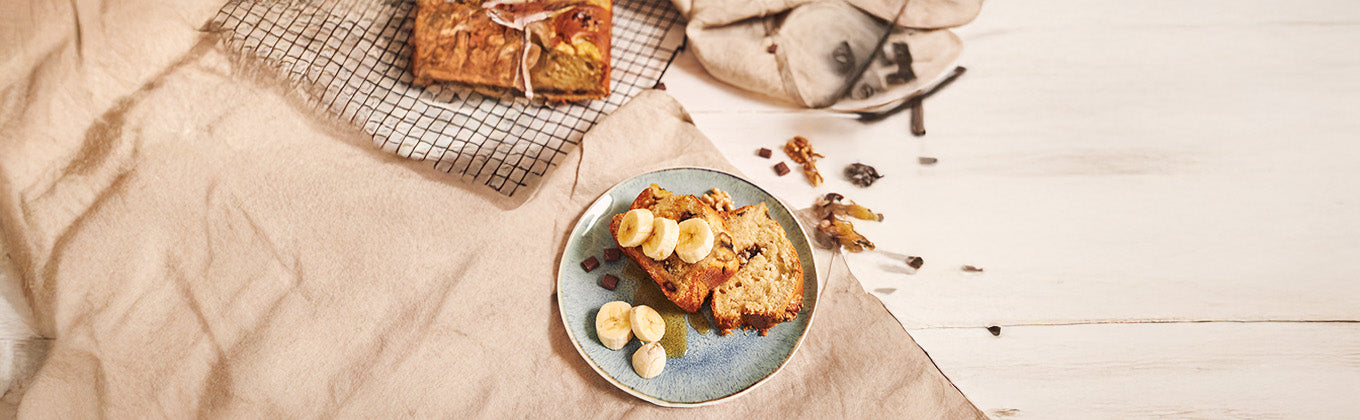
(833, 228)
(800, 150)
(861, 175)
(609, 281)
(843, 233)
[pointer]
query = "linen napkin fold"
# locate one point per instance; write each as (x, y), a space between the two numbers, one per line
(808, 52)
(242, 258)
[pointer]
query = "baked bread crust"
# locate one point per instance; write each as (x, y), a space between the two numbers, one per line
(768, 289)
(458, 41)
(688, 285)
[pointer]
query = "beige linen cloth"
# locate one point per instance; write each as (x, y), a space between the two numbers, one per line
(194, 243)
(806, 52)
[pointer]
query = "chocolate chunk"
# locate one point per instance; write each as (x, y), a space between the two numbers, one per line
(927, 160)
(590, 264)
(765, 153)
(971, 269)
(670, 287)
(609, 281)
(612, 254)
(686, 215)
(915, 262)
(781, 169)
(995, 330)
(660, 86)
(772, 49)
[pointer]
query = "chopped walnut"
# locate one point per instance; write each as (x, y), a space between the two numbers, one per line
(719, 200)
(800, 150)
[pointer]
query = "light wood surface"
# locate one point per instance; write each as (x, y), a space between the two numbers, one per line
(1135, 178)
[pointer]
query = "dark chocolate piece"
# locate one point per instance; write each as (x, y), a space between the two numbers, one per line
(590, 264)
(995, 330)
(765, 153)
(612, 254)
(772, 49)
(915, 262)
(660, 86)
(609, 281)
(927, 160)
(781, 169)
(902, 57)
(971, 269)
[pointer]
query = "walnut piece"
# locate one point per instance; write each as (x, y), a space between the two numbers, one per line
(718, 199)
(800, 150)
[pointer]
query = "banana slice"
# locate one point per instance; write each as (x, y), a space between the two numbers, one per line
(635, 227)
(696, 240)
(665, 234)
(612, 324)
(647, 324)
(649, 360)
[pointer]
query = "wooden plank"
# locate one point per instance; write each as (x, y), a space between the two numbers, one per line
(1170, 160)
(1203, 370)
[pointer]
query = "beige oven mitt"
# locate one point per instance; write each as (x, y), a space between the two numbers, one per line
(808, 51)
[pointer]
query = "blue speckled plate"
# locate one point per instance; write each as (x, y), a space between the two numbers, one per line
(715, 368)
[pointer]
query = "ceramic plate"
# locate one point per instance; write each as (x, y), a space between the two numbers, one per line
(713, 368)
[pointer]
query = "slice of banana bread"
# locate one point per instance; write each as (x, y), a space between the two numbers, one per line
(688, 285)
(768, 289)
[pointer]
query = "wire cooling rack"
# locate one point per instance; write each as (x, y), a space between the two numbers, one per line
(350, 58)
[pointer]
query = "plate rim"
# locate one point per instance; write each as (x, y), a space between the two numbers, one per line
(562, 314)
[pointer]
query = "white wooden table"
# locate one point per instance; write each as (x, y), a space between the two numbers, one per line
(1165, 196)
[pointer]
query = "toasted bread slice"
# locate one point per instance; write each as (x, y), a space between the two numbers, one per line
(768, 289)
(688, 285)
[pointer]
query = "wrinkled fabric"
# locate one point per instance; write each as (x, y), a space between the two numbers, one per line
(811, 53)
(195, 243)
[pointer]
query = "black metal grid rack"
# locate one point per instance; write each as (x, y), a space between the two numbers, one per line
(350, 59)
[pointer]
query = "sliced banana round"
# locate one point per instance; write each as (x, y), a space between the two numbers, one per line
(696, 240)
(635, 227)
(612, 324)
(649, 360)
(647, 324)
(665, 234)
